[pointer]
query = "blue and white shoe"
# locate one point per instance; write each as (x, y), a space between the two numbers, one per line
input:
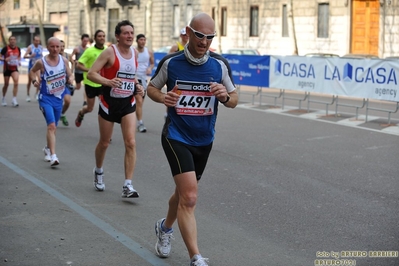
(163, 245)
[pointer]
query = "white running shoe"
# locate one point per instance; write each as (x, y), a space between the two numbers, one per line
(141, 128)
(54, 160)
(198, 260)
(98, 180)
(47, 155)
(129, 192)
(163, 245)
(15, 103)
(28, 98)
(4, 102)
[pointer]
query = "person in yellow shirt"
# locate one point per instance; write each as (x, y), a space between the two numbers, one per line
(179, 46)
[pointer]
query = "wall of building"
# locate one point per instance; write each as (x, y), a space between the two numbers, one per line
(155, 18)
(11, 15)
(390, 30)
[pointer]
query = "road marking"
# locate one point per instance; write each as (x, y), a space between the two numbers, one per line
(145, 254)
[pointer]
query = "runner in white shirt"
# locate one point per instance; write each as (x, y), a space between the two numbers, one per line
(145, 66)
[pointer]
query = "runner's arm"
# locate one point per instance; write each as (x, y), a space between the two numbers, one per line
(173, 49)
(28, 51)
(73, 56)
(37, 68)
(3, 53)
(81, 66)
(68, 71)
(152, 63)
(105, 59)
(72, 64)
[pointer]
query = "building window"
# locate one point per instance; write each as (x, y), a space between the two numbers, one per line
(82, 20)
(323, 20)
(254, 21)
(189, 13)
(284, 23)
(176, 21)
(113, 19)
(214, 13)
(16, 4)
(97, 19)
(31, 4)
(223, 22)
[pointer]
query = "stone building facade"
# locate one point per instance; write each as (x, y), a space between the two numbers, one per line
(278, 27)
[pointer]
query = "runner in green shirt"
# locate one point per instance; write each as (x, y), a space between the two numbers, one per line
(84, 63)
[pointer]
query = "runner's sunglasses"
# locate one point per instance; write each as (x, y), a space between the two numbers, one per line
(200, 35)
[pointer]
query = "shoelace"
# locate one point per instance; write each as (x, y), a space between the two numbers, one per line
(166, 237)
(200, 262)
(99, 178)
(129, 187)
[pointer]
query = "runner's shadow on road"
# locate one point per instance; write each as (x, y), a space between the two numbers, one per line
(129, 201)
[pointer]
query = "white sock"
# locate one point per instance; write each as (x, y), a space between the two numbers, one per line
(128, 182)
(99, 170)
(140, 122)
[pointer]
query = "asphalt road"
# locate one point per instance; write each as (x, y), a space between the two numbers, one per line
(278, 190)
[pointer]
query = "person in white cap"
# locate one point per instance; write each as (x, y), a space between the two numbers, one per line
(179, 46)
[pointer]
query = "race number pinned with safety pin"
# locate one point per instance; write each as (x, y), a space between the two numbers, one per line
(196, 98)
(127, 87)
(56, 84)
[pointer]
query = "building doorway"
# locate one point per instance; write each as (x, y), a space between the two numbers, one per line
(365, 26)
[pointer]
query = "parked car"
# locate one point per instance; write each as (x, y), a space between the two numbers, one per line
(321, 55)
(163, 49)
(242, 51)
(393, 58)
(360, 56)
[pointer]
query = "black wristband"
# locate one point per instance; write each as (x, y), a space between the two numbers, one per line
(228, 99)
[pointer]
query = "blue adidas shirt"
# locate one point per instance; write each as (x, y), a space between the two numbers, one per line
(193, 120)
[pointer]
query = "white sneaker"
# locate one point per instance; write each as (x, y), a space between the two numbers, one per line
(54, 160)
(37, 97)
(141, 128)
(163, 245)
(4, 102)
(198, 260)
(129, 192)
(28, 98)
(47, 155)
(98, 180)
(15, 103)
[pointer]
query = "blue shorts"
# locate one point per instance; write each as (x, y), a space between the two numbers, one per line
(51, 108)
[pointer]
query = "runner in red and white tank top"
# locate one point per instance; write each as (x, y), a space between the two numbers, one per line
(125, 70)
(115, 69)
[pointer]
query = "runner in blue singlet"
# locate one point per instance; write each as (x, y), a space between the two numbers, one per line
(197, 80)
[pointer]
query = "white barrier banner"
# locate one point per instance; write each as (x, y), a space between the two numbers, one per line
(363, 78)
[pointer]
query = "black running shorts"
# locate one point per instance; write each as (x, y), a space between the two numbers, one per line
(113, 109)
(184, 158)
(92, 92)
(78, 77)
